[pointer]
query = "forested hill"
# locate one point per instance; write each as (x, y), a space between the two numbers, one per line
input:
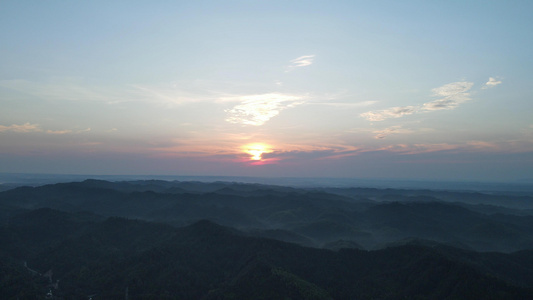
(192, 240)
(104, 258)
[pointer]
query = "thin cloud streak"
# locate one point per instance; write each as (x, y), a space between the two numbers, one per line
(342, 151)
(237, 150)
(67, 90)
(302, 61)
(24, 128)
(453, 95)
(29, 127)
(58, 132)
(381, 134)
(394, 112)
(64, 89)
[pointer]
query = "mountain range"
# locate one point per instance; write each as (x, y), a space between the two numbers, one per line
(154, 239)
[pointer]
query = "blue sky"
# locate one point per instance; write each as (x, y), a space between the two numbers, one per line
(371, 89)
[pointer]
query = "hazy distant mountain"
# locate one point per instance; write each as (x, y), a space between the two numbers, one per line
(369, 218)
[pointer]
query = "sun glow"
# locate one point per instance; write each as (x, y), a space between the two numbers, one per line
(256, 151)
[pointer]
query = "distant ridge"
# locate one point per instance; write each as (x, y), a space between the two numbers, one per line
(525, 185)
(368, 218)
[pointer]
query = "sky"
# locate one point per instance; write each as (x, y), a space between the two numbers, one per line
(436, 90)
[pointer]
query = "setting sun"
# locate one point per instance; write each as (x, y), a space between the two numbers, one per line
(256, 150)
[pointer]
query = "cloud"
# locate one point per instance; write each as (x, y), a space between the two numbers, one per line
(58, 131)
(491, 83)
(26, 127)
(394, 112)
(474, 146)
(418, 148)
(298, 152)
(453, 89)
(381, 134)
(64, 89)
(440, 104)
(483, 145)
(67, 131)
(302, 61)
(258, 109)
(453, 94)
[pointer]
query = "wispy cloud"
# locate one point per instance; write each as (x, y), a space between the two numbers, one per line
(26, 127)
(418, 148)
(474, 146)
(381, 134)
(483, 145)
(491, 83)
(332, 151)
(64, 89)
(58, 132)
(258, 109)
(393, 112)
(67, 131)
(297, 152)
(302, 61)
(29, 127)
(234, 147)
(452, 95)
(67, 90)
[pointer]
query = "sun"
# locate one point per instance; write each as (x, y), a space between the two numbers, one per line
(256, 150)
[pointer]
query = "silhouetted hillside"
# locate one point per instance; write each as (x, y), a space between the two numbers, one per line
(157, 240)
(206, 260)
